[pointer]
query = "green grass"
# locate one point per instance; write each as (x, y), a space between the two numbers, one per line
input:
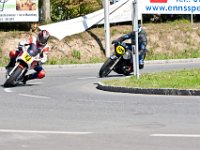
(184, 54)
(181, 79)
(73, 60)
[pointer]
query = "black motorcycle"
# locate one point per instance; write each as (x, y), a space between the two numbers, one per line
(120, 61)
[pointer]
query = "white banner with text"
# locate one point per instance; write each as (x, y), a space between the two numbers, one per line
(80, 24)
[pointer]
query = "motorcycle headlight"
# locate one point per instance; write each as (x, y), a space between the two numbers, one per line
(120, 50)
(127, 55)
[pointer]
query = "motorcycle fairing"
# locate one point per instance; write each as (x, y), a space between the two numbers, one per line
(113, 57)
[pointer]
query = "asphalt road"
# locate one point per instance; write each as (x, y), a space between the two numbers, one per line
(65, 111)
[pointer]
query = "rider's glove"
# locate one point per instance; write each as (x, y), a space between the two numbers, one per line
(115, 41)
(22, 43)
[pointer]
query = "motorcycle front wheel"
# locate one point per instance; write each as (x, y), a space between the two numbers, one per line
(11, 81)
(106, 68)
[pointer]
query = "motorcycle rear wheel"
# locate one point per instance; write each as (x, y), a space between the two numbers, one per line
(11, 81)
(106, 68)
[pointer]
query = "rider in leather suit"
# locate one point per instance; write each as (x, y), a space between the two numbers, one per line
(142, 43)
(41, 43)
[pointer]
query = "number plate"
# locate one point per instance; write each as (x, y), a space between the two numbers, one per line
(27, 58)
(120, 50)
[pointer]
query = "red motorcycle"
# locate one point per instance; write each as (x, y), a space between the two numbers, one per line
(25, 61)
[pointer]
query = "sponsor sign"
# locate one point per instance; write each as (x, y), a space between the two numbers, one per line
(19, 11)
(169, 6)
(158, 1)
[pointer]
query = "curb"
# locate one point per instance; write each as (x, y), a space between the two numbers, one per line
(183, 92)
(171, 61)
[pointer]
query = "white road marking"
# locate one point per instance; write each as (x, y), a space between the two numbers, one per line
(35, 83)
(177, 135)
(43, 132)
(86, 78)
(8, 90)
(34, 96)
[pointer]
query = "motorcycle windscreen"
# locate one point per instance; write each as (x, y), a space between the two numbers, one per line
(33, 50)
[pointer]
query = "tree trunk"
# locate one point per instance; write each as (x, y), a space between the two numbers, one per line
(46, 11)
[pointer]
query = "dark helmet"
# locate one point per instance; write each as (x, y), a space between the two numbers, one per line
(43, 37)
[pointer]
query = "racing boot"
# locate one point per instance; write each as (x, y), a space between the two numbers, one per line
(141, 61)
(26, 78)
(11, 64)
(29, 77)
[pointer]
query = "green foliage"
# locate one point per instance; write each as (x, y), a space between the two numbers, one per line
(184, 54)
(52, 61)
(1, 51)
(113, 32)
(3, 60)
(76, 54)
(68, 9)
(95, 60)
(69, 60)
(178, 21)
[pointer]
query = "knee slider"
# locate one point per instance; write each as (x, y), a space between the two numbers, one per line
(41, 74)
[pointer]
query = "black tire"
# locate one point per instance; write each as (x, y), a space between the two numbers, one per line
(105, 69)
(11, 81)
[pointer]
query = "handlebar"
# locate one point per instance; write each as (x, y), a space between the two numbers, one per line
(39, 59)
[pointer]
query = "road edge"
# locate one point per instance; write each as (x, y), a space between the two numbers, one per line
(152, 91)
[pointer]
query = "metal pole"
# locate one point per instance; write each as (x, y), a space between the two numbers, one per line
(192, 19)
(107, 27)
(133, 44)
(135, 29)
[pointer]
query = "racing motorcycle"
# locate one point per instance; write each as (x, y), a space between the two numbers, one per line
(119, 61)
(25, 61)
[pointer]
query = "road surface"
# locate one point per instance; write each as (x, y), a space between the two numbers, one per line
(65, 111)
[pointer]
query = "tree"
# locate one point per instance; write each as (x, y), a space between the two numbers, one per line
(46, 10)
(68, 9)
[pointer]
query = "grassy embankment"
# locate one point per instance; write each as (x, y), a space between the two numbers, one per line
(171, 40)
